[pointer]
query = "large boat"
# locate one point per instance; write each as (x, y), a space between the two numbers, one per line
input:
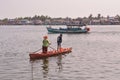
(40, 55)
(69, 29)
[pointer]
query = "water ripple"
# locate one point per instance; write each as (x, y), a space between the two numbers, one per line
(95, 56)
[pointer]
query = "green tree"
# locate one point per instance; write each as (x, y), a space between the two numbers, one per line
(90, 16)
(99, 16)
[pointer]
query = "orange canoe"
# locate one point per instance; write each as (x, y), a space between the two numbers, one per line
(50, 53)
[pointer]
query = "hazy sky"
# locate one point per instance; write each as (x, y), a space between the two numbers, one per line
(58, 8)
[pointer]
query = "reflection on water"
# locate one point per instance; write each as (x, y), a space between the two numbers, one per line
(45, 67)
(59, 62)
(95, 56)
(31, 69)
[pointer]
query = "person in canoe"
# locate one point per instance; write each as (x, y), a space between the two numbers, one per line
(59, 41)
(45, 45)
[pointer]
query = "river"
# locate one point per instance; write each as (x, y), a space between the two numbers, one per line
(94, 56)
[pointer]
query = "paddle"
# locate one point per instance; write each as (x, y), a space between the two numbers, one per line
(37, 50)
(52, 48)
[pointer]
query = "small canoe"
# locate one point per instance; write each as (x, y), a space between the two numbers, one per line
(50, 53)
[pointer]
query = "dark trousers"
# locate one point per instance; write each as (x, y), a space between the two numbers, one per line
(58, 45)
(44, 49)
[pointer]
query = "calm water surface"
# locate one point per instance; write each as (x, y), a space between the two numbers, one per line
(95, 55)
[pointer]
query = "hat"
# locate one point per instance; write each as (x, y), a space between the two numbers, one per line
(45, 37)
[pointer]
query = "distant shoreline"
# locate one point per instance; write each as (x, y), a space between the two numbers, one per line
(45, 20)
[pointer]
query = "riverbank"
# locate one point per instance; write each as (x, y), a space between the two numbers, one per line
(45, 20)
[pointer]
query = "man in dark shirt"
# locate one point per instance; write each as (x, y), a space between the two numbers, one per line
(59, 41)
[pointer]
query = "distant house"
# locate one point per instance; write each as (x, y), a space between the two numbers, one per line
(37, 22)
(104, 21)
(11, 22)
(47, 22)
(1, 22)
(113, 20)
(95, 22)
(24, 22)
(57, 21)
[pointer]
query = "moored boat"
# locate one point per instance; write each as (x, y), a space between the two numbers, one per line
(69, 29)
(36, 55)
